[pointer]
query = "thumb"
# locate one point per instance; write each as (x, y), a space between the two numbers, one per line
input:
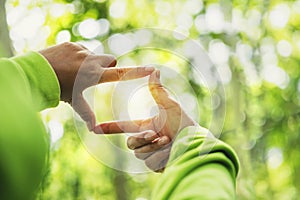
(158, 92)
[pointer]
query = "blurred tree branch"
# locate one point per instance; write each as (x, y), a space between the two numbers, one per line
(5, 42)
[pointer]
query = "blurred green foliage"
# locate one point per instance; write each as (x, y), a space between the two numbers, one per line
(254, 45)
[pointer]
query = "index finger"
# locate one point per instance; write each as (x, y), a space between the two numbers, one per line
(124, 73)
(114, 127)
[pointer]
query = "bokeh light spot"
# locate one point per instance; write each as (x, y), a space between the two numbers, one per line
(275, 75)
(89, 28)
(56, 130)
(214, 18)
(284, 48)
(63, 36)
(274, 157)
(218, 52)
(117, 9)
(279, 16)
(120, 43)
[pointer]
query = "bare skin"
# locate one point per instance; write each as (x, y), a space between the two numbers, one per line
(77, 69)
(152, 144)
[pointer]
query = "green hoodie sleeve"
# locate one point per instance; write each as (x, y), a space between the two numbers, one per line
(44, 86)
(27, 84)
(200, 167)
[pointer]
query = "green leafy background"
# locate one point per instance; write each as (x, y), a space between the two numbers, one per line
(255, 45)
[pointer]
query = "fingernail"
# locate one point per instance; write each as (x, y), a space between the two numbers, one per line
(162, 141)
(149, 69)
(157, 73)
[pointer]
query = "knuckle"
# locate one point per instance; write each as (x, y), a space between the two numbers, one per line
(73, 46)
(121, 72)
(70, 45)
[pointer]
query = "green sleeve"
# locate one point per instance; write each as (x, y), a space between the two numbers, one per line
(27, 83)
(41, 77)
(200, 167)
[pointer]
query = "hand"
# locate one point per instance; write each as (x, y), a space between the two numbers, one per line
(77, 69)
(150, 145)
(151, 148)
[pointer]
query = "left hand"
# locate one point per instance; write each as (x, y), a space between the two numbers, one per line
(77, 69)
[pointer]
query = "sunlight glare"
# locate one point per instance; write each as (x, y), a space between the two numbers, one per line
(279, 16)
(28, 25)
(56, 130)
(57, 10)
(120, 43)
(193, 6)
(218, 52)
(284, 48)
(200, 24)
(274, 157)
(104, 26)
(117, 9)
(275, 75)
(184, 20)
(63, 36)
(214, 18)
(89, 28)
(163, 8)
(140, 100)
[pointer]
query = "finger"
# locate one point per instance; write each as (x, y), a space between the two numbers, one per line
(124, 126)
(158, 161)
(125, 73)
(147, 150)
(92, 69)
(159, 93)
(83, 109)
(141, 139)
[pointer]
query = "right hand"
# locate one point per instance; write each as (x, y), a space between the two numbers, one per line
(151, 144)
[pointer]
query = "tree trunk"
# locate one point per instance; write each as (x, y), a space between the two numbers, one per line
(5, 42)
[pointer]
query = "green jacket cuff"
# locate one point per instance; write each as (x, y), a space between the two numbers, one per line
(198, 161)
(42, 78)
(197, 137)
